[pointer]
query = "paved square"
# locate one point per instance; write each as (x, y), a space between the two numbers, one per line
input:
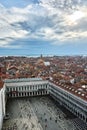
(38, 113)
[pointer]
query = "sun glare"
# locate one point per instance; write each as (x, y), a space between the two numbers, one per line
(73, 18)
(76, 16)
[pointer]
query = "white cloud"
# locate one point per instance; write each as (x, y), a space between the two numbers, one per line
(10, 33)
(55, 20)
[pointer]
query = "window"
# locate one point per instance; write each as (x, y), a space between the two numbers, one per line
(10, 89)
(46, 86)
(27, 87)
(33, 87)
(22, 87)
(7, 89)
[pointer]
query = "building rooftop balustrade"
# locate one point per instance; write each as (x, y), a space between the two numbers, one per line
(22, 80)
(79, 92)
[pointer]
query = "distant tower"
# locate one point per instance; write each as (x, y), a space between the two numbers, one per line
(41, 56)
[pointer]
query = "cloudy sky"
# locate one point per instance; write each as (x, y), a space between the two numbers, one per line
(32, 27)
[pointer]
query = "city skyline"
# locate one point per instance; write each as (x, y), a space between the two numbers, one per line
(35, 27)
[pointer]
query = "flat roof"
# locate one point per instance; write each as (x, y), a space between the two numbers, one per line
(22, 80)
(15, 84)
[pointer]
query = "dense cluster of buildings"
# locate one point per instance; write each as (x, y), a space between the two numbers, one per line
(63, 78)
(64, 69)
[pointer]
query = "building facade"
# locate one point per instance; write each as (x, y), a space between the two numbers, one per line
(71, 102)
(26, 87)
